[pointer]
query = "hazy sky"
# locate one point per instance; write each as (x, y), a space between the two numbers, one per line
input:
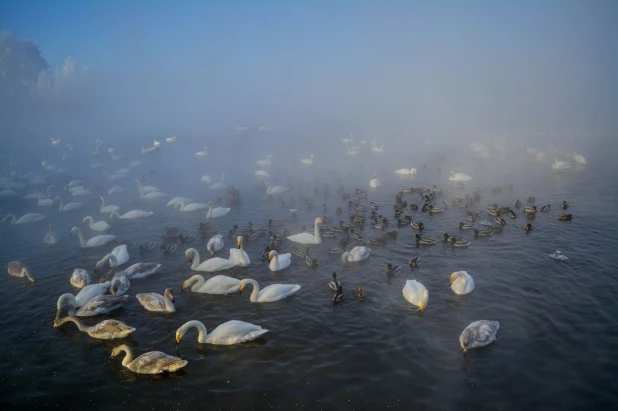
(434, 67)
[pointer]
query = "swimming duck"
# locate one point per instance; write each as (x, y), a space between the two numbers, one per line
(512, 214)
(335, 250)
(414, 262)
(404, 221)
(546, 208)
(390, 269)
(414, 207)
(335, 284)
(482, 233)
(339, 296)
(143, 248)
(359, 294)
(424, 241)
(564, 205)
(529, 210)
(517, 204)
(528, 227)
(464, 226)
(565, 217)
(460, 243)
(390, 234)
(531, 199)
(310, 261)
(499, 220)
(495, 228)
(450, 238)
(186, 238)
(380, 241)
(418, 226)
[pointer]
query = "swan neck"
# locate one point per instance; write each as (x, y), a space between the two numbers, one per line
(128, 358)
(256, 290)
(169, 305)
(26, 272)
(81, 238)
(113, 215)
(274, 263)
(198, 281)
(76, 321)
(316, 232)
(69, 298)
(201, 329)
(11, 217)
(196, 259)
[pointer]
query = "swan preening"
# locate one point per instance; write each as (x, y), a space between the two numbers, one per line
(273, 292)
(278, 261)
(228, 333)
(153, 362)
(215, 244)
(461, 282)
(98, 305)
(219, 284)
(478, 334)
(307, 238)
(17, 269)
(239, 255)
(416, 293)
(358, 253)
(80, 278)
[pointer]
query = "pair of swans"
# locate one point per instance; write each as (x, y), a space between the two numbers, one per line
(374, 182)
(272, 293)
(118, 256)
(25, 219)
(152, 362)
(228, 333)
(18, 269)
(307, 238)
(105, 330)
(131, 215)
(98, 226)
(96, 241)
(91, 301)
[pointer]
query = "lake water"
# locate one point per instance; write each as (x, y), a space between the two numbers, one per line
(556, 348)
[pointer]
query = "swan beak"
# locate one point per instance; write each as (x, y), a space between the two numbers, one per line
(190, 259)
(183, 287)
(421, 307)
(465, 352)
(177, 339)
(451, 281)
(240, 290)
(239, 244)
(96, 268)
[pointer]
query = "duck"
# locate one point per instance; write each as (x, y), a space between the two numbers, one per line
(229, 333)
(96, 241)
(377, 242)
(98, 226)
(106, 209)
(414, 262)
(169, 249)
(531, 199)
(512, 214)
(530, 210)
(278, 261)
(391, 269)
(335, 250)
(144, 248)
(517, 204)
(464, 226)
(359, 294)
(219, 284)
(500, 221)
(50, 237)
(105, 330)
(390, 234)
(310, 261)
(153, 362)
(564, 205)
(528, 227)
(460, 243)
(374, 183)
(184, 239)
(495, 228)
(451, 238)
(307, 238)
(335, 284)
(424, 241)
(211, 265)
(478, 334)
(157, 302)
(558, 256)
(80, 278)
(546, 208)
(101, 304)
(339, 295)
(419, 226)
(131, 215)
(482, 233)
(461, 282)
(18, 269)
(215, 244)
(271, 293)
(416, 294)
(565, 217)
(358, 253)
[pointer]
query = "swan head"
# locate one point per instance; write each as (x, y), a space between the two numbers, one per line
(168, 293)
(239, 241)
(272, 255)
(120, 349)
(454, 276)
(466, 340)
(74, 230)
(424, 300)
(374, 175)
(189, 254)
(190, 281)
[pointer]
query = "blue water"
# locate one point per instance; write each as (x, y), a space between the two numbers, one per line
(556, 348)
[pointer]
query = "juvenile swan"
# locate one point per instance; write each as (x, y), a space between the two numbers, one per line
(153, 362)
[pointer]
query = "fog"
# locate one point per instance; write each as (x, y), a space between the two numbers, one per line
(294, 79)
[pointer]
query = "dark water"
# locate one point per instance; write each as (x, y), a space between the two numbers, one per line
(556, 348)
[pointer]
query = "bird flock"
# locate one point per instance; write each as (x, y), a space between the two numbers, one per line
(344, 237)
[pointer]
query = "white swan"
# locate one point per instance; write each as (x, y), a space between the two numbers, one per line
(157, 302)
(219, 284)
(220, 185)
(215, 244)
(98, 226)
(406, 171)
(156, 143)
(68, 206)
(358, 253)
(25, 219)
(180, 206)
(579, 159)
(79, 191)
(202, 154)
(278, 261)
(307, 238)
(273, 292)
(118, 256)
(170, 139)
(176, 200)
(106, 209)
(261, 173)
(348, 140)
(86, 294)
(462, 282)
(216, 212)
(116, 190)
(265, 163)
(153, 362)
(131, 215)
(80, 278)
(144, 189)
(56, 141)
(50, 237)
(560, 165)
(274, 190)
(478, 334)
(46, 202)
(96, 241)
(139, 270)
(105, 330)
(17, 269)
(459, 177)
(416, 293)
(9, 193)
(239, 254)
(152, 195)
(378, 149)
(374, 182)
(307, 161)
(211, 265)
(206, 179)
(228, 333)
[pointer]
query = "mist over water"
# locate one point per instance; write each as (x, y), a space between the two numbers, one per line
(506, 94)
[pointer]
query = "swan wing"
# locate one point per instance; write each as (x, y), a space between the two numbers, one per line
(141, 270)
(220, 284)
(284, 260)
(152, 301)
(102, 305)
(234, 332)
(216, 264)
(121, 253)
(302, 238)
(156, 362)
